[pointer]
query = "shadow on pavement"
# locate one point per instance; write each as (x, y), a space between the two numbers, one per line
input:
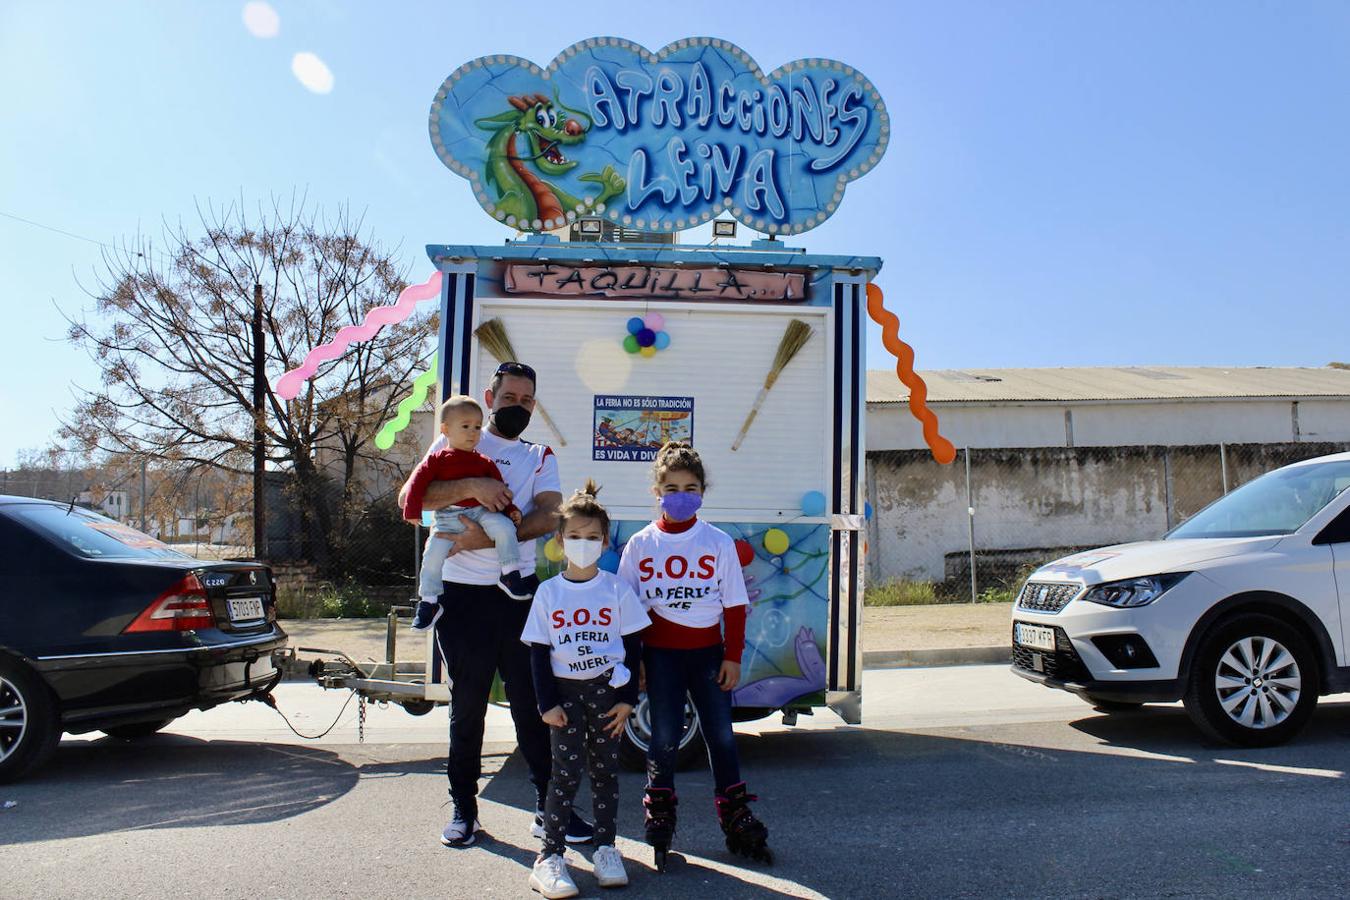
(1117, 805)
(170, 781)
(1167, 729)
(702, 866)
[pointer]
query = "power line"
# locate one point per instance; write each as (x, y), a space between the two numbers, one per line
(78, 237)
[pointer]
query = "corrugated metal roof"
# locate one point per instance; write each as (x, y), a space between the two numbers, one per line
(1101, 384)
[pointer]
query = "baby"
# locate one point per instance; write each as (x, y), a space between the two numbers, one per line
(462, 425)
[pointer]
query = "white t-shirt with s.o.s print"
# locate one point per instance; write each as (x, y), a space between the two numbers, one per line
(583, 623)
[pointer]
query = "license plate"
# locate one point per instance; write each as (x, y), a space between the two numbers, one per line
(246, 609)
(1034, 636)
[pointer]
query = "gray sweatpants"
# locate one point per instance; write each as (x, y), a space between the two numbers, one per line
(580, 741)
(499, 527)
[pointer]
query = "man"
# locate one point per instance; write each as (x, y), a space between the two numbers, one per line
(479, 632)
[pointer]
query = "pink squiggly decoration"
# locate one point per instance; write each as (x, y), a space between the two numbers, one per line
(288, 385)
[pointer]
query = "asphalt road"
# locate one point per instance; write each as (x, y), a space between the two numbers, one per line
(962, 783)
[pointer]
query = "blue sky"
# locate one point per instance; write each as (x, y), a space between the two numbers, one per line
(1068, 183)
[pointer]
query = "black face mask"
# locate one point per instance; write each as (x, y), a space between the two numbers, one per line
(510, 421)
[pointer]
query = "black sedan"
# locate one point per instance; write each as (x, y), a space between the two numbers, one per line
(103, 628)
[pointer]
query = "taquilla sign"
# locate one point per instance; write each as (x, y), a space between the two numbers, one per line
(658, 141)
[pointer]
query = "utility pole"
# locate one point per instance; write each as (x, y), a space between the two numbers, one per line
(259, 414)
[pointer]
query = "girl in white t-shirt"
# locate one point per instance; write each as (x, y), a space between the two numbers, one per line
(688, 576)
(584, 653)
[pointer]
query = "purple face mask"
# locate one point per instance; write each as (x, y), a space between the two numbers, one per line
(680, 505)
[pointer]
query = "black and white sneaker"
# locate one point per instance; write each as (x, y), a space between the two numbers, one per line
(514, 585)
(579, 831)
(461, 832)
(426, 614)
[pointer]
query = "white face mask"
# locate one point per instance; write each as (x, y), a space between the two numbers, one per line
(582, 553)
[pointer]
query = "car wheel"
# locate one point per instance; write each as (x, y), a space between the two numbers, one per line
(1253, 682)
(637, 735)
(1110, 706)
(29, 725)
(137, 730)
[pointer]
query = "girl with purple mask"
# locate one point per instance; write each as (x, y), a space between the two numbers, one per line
(688, 576)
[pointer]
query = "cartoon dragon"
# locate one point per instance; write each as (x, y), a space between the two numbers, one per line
(521, 193)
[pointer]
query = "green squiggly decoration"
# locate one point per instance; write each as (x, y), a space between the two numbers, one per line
(421, 384)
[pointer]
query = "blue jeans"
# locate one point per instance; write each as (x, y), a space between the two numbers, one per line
(499, 528)
(671, 675)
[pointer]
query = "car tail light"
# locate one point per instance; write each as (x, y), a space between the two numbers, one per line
(183, 607)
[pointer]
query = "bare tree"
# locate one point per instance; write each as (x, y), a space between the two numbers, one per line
(171, 332)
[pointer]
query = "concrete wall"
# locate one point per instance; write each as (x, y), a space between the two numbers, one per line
(1174, 423)
(1032, 504)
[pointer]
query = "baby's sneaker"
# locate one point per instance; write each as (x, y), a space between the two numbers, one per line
(551, 878)
(515, 586)
(608, 863)
(426, 614)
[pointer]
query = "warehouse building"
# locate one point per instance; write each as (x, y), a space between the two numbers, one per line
(1076, 457)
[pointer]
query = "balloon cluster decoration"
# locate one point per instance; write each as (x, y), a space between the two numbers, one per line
(645, 335)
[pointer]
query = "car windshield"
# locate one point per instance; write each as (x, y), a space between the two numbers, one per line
(1277, 503)
(89, 534)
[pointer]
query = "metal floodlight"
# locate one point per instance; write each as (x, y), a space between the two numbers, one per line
(591, 226)
(724, 228)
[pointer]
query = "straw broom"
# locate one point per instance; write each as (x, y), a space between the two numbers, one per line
(492, 336)
(796, 336)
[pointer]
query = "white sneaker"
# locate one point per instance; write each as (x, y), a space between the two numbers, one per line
(460, 832)
(608, 863)
(551, 878)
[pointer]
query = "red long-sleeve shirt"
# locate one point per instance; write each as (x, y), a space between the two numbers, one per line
(448, 465)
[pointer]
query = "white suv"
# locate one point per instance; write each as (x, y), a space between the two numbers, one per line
(1237, 612)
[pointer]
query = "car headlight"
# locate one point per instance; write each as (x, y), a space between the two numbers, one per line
(1133, 592)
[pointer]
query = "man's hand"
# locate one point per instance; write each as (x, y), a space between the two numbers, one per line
(491, 494)
(473, 537)
(555, 717)
(619, 713)
(729, 676)
(515, 516)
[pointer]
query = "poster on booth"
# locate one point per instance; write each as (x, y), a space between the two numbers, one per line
(658, 141)
(635, 428)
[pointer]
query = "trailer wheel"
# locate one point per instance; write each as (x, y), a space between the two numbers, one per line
(417, 707)
(637, 734)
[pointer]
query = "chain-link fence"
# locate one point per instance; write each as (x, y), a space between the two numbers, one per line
(972, 531)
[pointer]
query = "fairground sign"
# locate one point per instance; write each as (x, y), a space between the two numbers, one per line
(651, 281)
(658, 141)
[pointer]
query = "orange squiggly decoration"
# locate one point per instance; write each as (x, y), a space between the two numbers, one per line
(941, 448)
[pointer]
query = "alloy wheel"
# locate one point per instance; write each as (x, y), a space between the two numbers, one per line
(639, 726)
(13, 718)
(1258, 682)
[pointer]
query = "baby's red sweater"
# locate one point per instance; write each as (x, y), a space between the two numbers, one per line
(668, 635)
(448, 464)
